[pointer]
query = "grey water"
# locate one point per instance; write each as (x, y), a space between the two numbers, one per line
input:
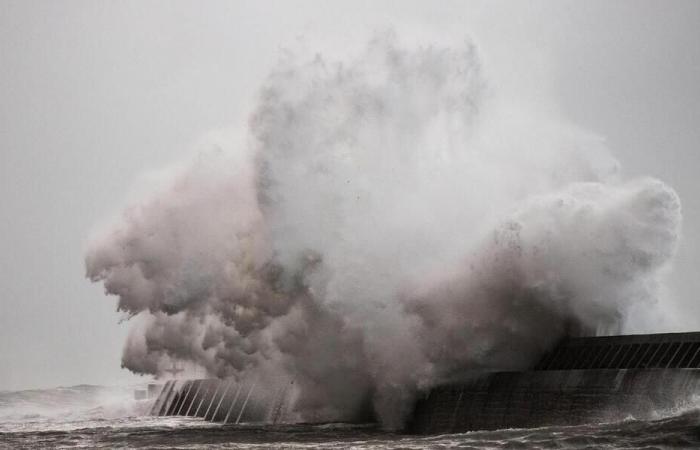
(108, 417)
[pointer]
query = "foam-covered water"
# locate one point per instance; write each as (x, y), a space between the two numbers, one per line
(107, 417)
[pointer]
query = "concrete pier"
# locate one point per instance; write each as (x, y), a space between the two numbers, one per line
(581, 380)
(561, 397)
(214, 400)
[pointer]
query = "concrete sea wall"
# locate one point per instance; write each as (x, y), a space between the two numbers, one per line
(224, 401)
(559, 397)
(581, 380)
(585, 379)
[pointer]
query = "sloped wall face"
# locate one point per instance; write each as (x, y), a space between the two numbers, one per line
(651, 351)
(224, 401)
(581, 380)
(554, 397)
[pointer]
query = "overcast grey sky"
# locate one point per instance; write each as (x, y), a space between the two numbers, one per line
(95, 93)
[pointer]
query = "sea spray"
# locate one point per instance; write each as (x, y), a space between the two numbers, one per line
(390, 222)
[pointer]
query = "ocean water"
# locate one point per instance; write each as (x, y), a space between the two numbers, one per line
(109, 417)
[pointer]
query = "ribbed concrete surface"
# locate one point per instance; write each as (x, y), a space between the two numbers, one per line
(581, 380)
(589, 379)
(641, 351)
(225, 401)
(562, 397)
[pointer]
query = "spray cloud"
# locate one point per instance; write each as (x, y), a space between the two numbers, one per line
(390, 222)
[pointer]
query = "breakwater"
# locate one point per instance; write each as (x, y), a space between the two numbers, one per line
(224, 401)
(581, 380)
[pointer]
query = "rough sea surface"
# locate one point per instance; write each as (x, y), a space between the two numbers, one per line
(106, 417)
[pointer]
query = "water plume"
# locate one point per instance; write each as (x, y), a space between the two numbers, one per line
(390, 222)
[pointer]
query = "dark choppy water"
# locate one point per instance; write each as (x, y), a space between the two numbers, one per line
(97, 417)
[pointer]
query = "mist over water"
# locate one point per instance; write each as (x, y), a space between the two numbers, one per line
(386, 222)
